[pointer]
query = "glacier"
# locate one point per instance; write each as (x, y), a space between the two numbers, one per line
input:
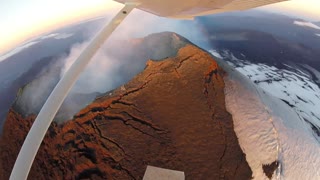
(273, 119)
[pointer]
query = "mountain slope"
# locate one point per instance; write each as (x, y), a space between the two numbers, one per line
(115, 69)
(8, 93)
(275, 114)
(172, 115)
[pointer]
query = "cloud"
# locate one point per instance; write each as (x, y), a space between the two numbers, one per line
(99, 76)
(49, 36)
(102, 73)
(18, 49)
(63, 36)
(306, 24)
(140, 24)
(57, 36)
(34, 94)
(105, 71)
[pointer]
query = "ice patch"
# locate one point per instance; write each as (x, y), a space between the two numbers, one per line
(306, 24)
(268, 129)
(297, 90)
(215, 53)
(315, 72)
(252, 123)
(317, 35)
(291, 85)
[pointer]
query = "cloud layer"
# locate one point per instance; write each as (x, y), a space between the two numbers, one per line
(306, 24)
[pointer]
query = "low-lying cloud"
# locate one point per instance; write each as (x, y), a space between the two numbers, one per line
(306, 24)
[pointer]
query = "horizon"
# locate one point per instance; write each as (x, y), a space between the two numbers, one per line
(12, 37)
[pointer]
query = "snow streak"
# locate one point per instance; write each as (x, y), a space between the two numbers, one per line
(268, 128)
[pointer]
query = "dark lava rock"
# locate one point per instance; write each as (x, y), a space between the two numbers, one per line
(269, 169)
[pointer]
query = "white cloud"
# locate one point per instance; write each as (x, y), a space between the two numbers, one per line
(49, 36)
(63, 36)
(57, 36)
(306, 24)
(18, 49)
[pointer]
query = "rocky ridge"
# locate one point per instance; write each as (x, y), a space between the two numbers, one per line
(172, 115)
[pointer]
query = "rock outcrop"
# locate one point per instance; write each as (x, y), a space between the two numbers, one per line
(172, 115)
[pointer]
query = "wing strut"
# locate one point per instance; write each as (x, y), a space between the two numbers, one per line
(41, 124)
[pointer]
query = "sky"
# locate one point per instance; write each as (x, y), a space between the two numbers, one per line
(23, 19)
(305, 9)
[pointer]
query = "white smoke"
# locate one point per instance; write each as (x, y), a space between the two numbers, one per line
(104, 72)
(101, 73)
(32, 96)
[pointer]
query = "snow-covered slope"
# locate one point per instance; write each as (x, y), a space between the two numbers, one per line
(275, 116)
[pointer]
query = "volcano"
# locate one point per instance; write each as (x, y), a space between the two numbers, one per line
(172, 115)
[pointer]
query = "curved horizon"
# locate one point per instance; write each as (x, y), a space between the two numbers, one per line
(48, 16)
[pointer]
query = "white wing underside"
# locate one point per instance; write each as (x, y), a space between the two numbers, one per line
(188, 9)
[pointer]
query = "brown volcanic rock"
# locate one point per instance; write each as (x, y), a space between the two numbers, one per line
(172, 115)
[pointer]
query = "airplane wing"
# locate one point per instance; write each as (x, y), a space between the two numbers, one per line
(188, 9)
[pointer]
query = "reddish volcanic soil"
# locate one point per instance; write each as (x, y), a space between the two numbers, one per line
(172, 115)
